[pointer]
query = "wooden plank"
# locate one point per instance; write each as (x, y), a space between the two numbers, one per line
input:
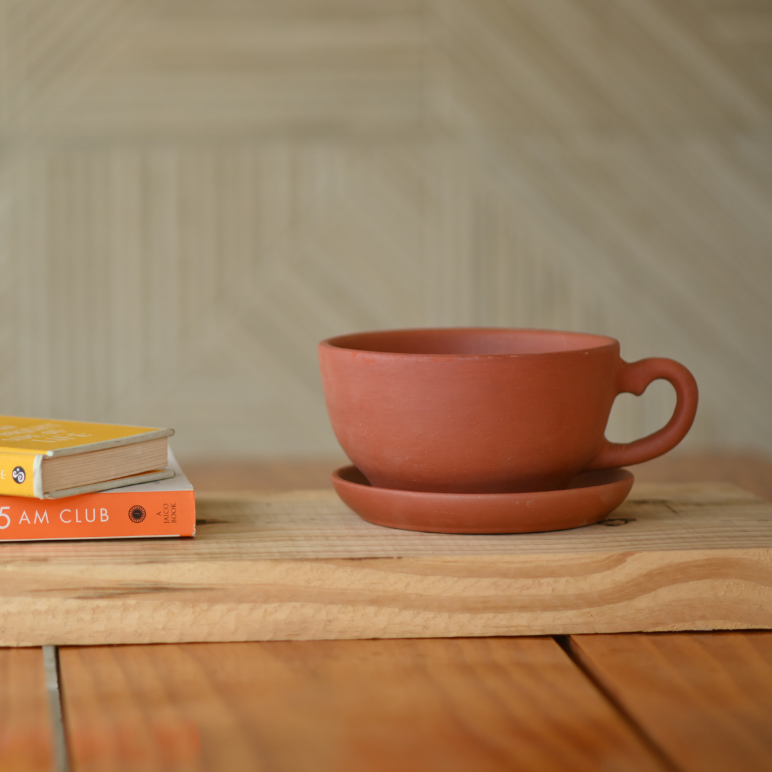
(705, 699)
(26, 743)
(266, 475)
(302, 566)
(341, 705)
(752, 471)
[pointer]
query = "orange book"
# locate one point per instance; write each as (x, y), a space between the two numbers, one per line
(153, 509)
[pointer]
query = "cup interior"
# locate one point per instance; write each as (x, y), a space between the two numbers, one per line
(469, 342)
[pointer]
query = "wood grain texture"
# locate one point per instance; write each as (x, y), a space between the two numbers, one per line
(705, 699)
(375, 705)
(302, 566)
(752, 471)
(25, 725)
(192, 194)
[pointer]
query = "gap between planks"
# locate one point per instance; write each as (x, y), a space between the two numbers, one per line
(60, 757)
(565, 642)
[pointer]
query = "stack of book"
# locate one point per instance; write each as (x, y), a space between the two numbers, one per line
(76, 480)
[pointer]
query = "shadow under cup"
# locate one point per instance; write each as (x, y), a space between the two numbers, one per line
(488, 410)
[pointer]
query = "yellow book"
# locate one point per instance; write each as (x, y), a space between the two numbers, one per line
(47, 458)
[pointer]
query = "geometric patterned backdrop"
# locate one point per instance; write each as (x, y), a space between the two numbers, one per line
(194, 192)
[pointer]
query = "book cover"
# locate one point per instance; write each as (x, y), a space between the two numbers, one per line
(26, 442)
(163, 508)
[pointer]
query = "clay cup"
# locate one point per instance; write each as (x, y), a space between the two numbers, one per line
(475, 410)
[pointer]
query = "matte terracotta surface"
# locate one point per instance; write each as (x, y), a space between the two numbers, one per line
(590, 497)
(488, 410)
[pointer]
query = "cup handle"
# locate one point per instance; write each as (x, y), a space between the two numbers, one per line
(634, 378)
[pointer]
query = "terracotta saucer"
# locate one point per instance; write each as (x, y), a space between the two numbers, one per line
(589, 498)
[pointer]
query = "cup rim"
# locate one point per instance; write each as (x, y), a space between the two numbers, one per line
(352, 342)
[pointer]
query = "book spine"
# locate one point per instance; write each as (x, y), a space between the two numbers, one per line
(20, 474)
(103, 515)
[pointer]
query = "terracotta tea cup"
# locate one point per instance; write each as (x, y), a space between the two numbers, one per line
(470, 410)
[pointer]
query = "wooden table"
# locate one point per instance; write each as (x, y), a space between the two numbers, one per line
(675, 701)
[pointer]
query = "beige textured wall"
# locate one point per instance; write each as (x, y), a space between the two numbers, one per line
(194, 192)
